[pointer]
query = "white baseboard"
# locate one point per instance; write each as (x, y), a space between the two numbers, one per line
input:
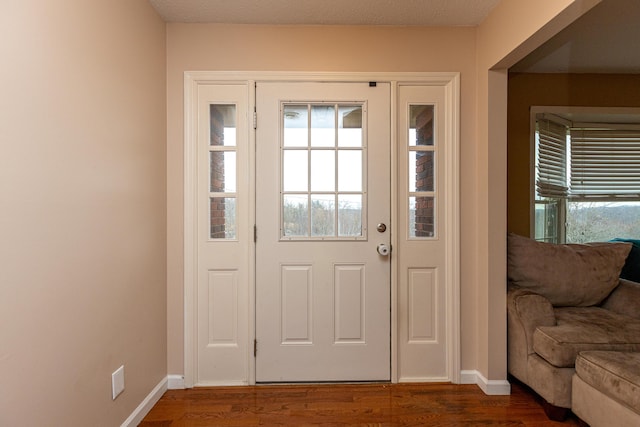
(468, 377)
(176, 382)
(489, 387)
(423, 380)
(145, 406)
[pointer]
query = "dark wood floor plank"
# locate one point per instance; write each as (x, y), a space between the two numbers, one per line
(348, 405)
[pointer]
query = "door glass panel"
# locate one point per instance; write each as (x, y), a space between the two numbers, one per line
(323, 182)
(222, 171)
(421, 216)
(350, 126)
(350, 170)
(296, 170)
(323, 170)
(323, 216)
(222, 120)
(223, 217)
(295, 218)
(349, 215)
(323, 126)
(421, 125)
(296, 126)
(421, 169)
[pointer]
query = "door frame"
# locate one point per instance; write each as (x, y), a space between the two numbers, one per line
(450, 81)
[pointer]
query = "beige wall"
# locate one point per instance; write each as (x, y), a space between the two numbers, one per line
(526, 90)
(82, 184)
(83, 181)
(512, 30)
(270, 48)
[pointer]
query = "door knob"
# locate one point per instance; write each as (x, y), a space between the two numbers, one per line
(383, 249)
(381, 228)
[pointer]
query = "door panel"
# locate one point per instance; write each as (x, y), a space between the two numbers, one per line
(423, 222)
(323, 184)
(222, 235)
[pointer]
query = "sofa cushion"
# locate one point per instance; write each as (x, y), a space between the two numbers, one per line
(585, 328)
(567, 275)
(625, 299)
(613, 373)
(631, 268)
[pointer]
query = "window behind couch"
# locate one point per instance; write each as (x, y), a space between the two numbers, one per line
(587, 174)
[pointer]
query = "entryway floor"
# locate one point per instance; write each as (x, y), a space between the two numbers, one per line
(348, 404)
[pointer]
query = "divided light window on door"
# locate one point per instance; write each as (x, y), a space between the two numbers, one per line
(222, 171)
(323, 179)
(422, 166)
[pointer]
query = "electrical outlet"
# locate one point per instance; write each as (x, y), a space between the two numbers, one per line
(117, 382)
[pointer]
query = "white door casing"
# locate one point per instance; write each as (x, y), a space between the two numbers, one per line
(323, 299)
(233, 363)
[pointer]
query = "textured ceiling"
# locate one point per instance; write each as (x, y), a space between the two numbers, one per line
(327, 12)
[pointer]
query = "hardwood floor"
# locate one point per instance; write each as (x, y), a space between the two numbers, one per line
(348, 405)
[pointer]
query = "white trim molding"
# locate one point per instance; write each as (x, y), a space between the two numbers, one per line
(175, 382)
(145, 406)
(468, 377)
(489, 387)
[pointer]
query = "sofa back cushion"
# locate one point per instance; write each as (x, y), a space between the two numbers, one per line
(631, 269)
(567, 275)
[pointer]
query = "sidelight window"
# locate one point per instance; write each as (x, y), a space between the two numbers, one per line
(422, 165)
(222, 172)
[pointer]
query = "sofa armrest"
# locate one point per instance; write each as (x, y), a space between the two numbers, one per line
(528, 310)
(625, 299)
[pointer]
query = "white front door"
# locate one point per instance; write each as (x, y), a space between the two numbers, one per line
(322, 212)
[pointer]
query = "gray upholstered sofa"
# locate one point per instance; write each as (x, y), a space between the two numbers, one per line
(564, 300)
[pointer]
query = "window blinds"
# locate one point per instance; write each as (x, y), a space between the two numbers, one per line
(551, 159)
(605, 162)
